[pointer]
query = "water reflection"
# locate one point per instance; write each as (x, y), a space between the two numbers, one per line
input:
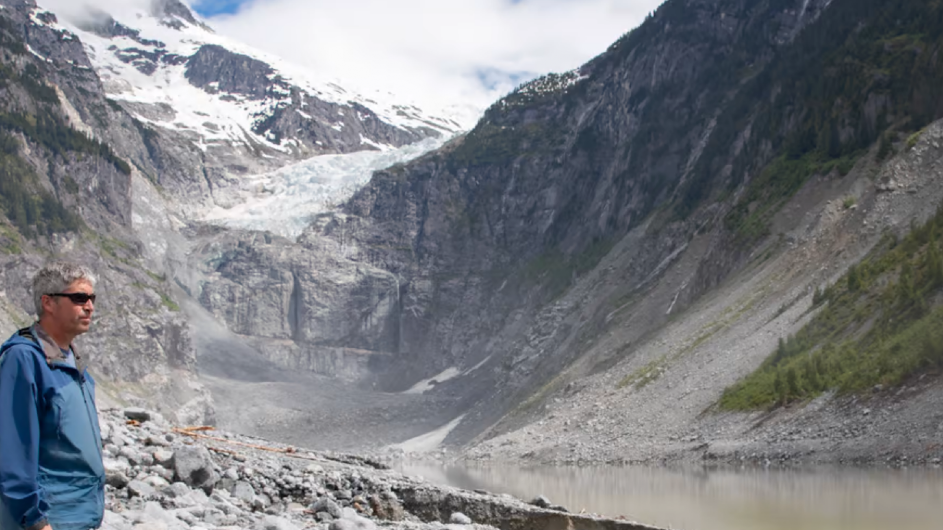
(826, 499)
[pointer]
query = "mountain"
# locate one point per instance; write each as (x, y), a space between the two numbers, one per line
(616, 263)
(609, 249)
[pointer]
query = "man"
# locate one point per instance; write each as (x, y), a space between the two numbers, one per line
(51, 472)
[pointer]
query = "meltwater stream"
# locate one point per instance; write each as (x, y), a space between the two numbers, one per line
(758, 499)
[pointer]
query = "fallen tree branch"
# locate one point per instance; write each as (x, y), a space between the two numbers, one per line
(290, 451)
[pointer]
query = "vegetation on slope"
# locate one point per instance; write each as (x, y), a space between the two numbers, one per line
(876, 67)
(31, 108)
(31, 209)
(881, 324)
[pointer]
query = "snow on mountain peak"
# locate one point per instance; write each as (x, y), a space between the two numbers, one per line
(169, 69)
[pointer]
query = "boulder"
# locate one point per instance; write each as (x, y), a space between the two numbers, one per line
(244, 492)
(194, 467)
(164, 458)
(137, 414)
(325, 505)
(387, 507)
(139, 488)
(116, 479)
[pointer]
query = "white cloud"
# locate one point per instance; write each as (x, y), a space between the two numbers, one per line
(79, 9)
(435, 52)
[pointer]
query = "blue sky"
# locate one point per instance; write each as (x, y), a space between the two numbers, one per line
(431, 52)
(209, 8)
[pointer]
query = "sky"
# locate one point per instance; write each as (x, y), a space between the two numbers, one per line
(435, 53)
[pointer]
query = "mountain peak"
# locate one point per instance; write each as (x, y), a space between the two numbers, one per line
(167, 68)
(173, 13)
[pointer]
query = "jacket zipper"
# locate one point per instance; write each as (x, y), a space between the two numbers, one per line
(91, 421)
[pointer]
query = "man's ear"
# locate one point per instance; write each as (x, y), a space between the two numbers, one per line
(49, 303)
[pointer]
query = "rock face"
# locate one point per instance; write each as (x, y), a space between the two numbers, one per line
(266, 287)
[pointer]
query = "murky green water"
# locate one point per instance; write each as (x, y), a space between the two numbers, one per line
(826, 499)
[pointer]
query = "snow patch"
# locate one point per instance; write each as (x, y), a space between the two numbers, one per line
(428, 384)
(479, 365)
(430, 441)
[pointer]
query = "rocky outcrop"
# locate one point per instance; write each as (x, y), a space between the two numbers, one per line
(316, 126)
(167, 10)
(215, 68)
(289, 298)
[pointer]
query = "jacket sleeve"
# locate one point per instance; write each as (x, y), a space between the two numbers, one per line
(20, 494)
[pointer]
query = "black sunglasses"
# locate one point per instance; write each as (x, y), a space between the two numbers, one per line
(76, 298)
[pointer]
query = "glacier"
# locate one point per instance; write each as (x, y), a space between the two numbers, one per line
(284, 201)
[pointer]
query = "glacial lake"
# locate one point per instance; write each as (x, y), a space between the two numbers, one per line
(749, 499)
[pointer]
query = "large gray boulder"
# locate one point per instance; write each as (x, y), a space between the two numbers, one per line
(326, 505)
(194, 467)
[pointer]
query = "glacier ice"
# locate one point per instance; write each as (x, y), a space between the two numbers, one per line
(284, 201)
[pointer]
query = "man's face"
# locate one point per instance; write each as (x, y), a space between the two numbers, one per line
(65, 314)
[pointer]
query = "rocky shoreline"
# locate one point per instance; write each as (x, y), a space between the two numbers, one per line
(161, 477)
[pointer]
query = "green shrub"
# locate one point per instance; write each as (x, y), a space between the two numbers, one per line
(878, 327)
(32, 210)
(48, 130)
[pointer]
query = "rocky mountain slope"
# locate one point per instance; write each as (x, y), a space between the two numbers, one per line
(68, 193)
(467, 250)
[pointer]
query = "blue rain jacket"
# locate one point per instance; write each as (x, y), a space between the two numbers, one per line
(51, 467)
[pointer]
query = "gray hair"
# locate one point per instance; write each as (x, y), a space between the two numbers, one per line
(55, 278)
